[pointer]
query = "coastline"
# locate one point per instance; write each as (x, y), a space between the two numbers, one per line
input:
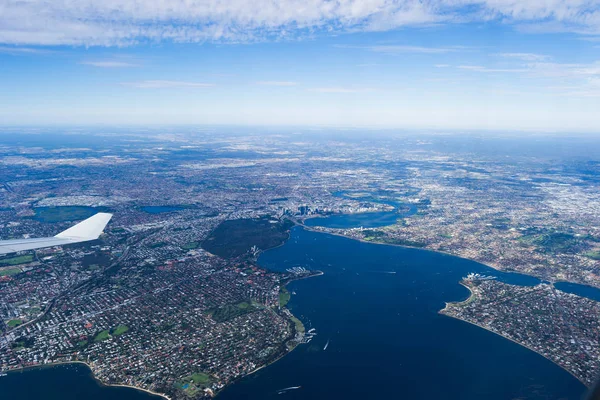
(55, 364)
(471, 298)
(311, 275)
(494, 267)
(310, 228)
(284, 241)
(468, 299)
(285, 353)
(321, 216)
(163, 395)
(317, 273)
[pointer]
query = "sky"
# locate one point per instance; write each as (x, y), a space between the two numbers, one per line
(524, 65)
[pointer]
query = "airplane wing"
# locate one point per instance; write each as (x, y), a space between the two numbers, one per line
(89, 229)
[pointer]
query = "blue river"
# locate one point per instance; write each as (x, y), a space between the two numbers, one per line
(377, 308)
(161, 209)
(366, 220)
(64, 382)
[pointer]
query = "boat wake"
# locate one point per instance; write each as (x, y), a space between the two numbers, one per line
(282, 391)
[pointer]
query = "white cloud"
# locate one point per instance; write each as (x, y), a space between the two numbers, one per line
(339, 90)
(24, 50)
(562, 79)
(162, 84)
(481, 68)
(124, 22)
(545, 70)
(524, 56)
(395, 49)
(277, 83)
(109, 64)
(564, 70)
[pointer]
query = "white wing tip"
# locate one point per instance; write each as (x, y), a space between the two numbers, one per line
(88, 229)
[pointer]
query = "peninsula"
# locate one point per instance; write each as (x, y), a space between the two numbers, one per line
(560, 326)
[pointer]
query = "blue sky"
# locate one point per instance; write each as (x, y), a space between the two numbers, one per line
(452, 64)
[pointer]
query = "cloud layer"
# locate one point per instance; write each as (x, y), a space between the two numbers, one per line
(109, 64)
(163, 84)
(125, 22)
